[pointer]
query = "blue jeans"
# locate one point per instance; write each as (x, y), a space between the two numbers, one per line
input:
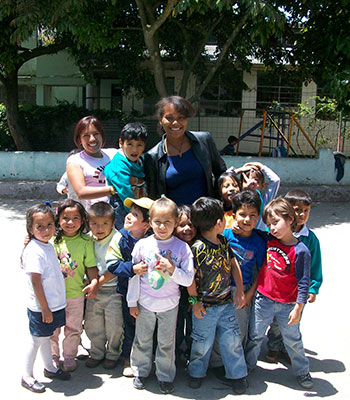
(218, 321)
(263, 312)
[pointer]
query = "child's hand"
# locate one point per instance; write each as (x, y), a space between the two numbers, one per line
(165, 263)
(199, 310)
(47, 316)
(26, 240)
(254, 165)
(140, 268)
(295, 314)
(134, 311)
(236, 229)
(90, 290)
(65, 190)
(239, 300)
(311, 297)
(248, 297)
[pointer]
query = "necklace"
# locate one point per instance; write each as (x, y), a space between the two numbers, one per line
(177, 148)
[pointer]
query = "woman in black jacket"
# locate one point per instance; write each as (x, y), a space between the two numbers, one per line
(184, 165)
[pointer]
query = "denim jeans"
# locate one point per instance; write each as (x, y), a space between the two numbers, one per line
(263, 312)
(218, 321)
(275, 341)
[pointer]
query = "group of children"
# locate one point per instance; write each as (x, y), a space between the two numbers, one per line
(142, 278)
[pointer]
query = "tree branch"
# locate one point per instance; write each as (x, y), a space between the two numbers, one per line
(218, 62)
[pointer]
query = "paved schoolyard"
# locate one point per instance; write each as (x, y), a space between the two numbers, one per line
(325, 327)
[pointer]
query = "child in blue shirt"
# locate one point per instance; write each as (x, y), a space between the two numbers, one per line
(248, 247)
(125, 172)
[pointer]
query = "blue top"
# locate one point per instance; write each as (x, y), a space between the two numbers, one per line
(185, 179)
(123, 174)
(249, 252)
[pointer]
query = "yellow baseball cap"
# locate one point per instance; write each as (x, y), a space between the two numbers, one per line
(143, 202)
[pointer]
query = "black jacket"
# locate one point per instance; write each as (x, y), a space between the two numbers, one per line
(204, 149)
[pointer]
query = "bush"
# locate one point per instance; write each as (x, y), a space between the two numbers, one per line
(47, 127)
(6, 141)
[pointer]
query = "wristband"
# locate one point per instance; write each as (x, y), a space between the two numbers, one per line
(193, 300)
(113, 191)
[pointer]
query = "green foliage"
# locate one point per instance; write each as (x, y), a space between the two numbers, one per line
(46, 127)
(6, 141)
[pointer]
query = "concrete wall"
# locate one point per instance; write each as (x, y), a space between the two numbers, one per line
(41, 166)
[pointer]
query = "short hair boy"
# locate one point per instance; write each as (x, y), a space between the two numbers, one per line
(301, 202)
(248, 247)
(136, 226)
(103, 317)
(125, 171)
(259, 177)
(213, 309)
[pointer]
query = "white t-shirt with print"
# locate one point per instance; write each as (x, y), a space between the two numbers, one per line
(41, 258)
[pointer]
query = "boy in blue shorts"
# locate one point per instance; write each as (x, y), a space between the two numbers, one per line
(125, 172)
(213, 309)
(301, 202)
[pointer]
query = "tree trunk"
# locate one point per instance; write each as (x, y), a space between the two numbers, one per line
(152, 44)
(11, 90)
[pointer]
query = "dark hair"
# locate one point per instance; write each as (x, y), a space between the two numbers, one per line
(61, 207)
(247, 198)
(229, 174)
(85, 123)
(205, 213)
(101, 209)
(184, 210)
(144, 211)
(164, 202)
(282, 208)
(296, 195)
(231, 139)
(39, 208)
(182, 106)
(134, 131)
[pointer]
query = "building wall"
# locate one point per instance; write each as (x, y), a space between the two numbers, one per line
(47, 166)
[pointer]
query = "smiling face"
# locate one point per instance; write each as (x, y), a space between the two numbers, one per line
(302, 212)
(280, 228)
(174, 123)
(70, 221)
(134, 222)
(163, 223)
(43, 227)
(101, 227)
(91, 141)
(132, 148)
(185, 230)
(246, 218)
(229, 187)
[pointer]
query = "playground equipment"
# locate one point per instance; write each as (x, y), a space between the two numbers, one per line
(276, 126)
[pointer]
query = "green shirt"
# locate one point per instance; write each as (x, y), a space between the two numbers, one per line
(74, 255)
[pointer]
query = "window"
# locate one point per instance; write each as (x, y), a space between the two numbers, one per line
(223, 96)
(116, 97)
(281, 89)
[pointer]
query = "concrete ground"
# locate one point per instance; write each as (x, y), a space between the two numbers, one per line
(325, 327)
